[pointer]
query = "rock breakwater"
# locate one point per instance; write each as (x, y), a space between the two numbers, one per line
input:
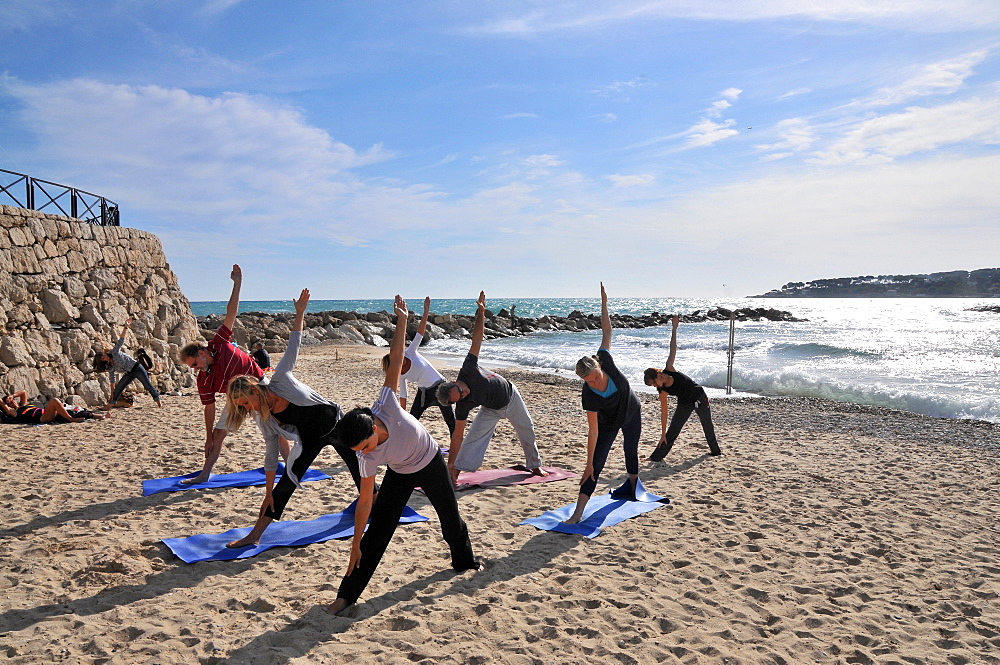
(376, 328)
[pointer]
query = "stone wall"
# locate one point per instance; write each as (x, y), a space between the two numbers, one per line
(66, 289)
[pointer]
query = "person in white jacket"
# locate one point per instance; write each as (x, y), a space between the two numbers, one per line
(284, 406)
(425, 375)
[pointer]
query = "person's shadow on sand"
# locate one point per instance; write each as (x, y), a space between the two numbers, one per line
(534, 555)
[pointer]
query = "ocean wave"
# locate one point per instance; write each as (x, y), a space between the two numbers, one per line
(796, 383)
(815, 349)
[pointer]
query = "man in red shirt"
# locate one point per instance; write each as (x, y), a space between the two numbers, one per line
(217, 363)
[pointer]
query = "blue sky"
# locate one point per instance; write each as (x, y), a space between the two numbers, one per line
(700, 148)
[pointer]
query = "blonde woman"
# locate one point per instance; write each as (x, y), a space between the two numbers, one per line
(611, 407)
(285, 407)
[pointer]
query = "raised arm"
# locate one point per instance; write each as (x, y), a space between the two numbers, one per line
(422, 326)
(233, 308)
(300, 310)
(673, 343)
(397, 346)
(128, 322)
(605, 320)
(479, 328)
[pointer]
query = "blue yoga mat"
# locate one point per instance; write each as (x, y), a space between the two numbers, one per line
(290, 533)
(239, 479)
(601, 511)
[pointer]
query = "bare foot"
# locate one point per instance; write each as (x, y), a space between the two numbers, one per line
(538, 471)
(200, 478)
(572, 520)
(337, 606)
(245, 541)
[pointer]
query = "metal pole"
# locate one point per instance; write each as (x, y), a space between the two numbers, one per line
(732, 339)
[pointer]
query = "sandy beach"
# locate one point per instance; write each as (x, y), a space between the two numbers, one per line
(827, 533)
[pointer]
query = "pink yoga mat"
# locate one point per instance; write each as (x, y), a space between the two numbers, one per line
(517, 475)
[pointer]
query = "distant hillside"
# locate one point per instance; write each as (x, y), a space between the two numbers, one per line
(983, 283)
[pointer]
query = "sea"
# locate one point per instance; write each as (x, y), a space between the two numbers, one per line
(933, 356)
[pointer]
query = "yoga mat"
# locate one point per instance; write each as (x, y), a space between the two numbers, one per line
(239, 479)
(290, 533)
(601, 511)
(515, 475)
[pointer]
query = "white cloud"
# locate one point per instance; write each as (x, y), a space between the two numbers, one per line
(917, 15)
(940, 78)
(731, 93)
(794, 136)
(708, 132)
(607, 117)
(916, 130)
(542, 161)
(621, 88)
(718, 107)
(635, 180)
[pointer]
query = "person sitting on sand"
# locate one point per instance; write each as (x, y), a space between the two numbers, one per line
(261, 355)
(285, 407)
(425, 375)
(611, 407)
(498, 397)
(217, 363)
(115, 360)
(690, 397)
(16, 409)
(387, 434)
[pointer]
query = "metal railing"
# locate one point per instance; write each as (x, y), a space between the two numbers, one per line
(26, 192)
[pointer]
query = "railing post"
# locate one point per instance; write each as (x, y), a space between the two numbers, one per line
(72, 203)
(30, 185)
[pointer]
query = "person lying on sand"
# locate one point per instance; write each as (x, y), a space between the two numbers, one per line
(16, 409)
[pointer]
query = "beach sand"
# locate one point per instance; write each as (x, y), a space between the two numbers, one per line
(827, 533)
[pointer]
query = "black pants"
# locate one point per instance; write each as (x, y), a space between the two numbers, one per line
(389, 503)
(310, 449)
(426, 398)
(681, 415)
(631, 432)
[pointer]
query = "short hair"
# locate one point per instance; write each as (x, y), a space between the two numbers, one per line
(586, 365)
(191, 350)
(244, 386)
(649, 374)
(385, 363)
(443, 392)
(356, 426)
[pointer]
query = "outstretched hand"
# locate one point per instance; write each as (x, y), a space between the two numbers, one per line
(400, 307)
(427, 305)
(604, 295)
(237, 274)
(482, 300)
(302, 302)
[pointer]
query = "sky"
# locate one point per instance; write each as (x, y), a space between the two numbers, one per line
(697, 148)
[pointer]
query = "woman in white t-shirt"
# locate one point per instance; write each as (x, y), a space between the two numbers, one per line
(387, 434)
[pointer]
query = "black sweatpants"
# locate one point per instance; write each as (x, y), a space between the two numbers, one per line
(310, 449)
(396, 489)
(426, 398)
(631, 432)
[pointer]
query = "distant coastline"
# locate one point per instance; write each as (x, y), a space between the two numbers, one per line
(983, 283)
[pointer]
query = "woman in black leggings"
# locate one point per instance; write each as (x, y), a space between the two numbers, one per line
(285, 407)
(387, 434)
(690, 397)
(611, 407)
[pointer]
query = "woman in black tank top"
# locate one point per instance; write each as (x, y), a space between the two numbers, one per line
(690, 397)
